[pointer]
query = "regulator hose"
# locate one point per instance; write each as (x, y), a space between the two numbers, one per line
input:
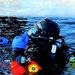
(71, 49)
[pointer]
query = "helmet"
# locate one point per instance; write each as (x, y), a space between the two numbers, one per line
(48, 28)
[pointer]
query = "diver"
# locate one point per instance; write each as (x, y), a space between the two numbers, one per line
(44, 28)
(46, 34)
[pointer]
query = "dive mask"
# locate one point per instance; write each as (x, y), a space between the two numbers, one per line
(32, 31)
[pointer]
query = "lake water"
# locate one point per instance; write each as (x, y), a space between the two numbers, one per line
(67, 29)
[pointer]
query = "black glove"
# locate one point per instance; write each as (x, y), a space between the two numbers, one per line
(16, 53)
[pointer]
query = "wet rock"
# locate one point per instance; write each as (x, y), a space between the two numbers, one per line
(9, 26)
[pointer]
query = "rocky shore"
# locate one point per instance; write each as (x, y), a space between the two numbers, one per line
(8, 29)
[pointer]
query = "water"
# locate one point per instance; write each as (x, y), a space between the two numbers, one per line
(67, 29)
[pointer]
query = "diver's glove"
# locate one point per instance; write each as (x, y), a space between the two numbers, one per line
(16, 53)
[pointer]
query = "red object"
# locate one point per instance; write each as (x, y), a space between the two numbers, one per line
(17, 69)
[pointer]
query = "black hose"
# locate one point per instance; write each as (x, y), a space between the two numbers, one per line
(72, 49)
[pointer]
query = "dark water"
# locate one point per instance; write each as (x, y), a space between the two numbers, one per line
(67, 29)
